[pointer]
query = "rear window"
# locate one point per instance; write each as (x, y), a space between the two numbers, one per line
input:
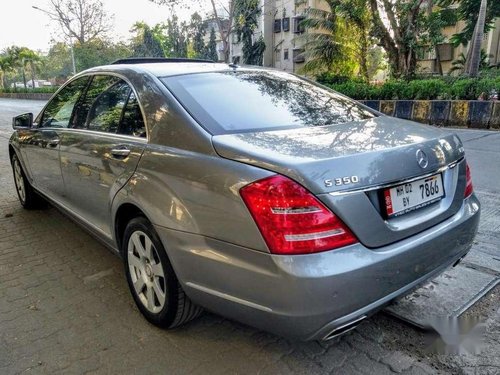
(248, 101)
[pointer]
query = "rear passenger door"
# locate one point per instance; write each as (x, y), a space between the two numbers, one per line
(101, 150)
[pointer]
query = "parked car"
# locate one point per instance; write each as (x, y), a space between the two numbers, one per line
(253, 193)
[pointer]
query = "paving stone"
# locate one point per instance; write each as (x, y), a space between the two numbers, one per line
(398, 362)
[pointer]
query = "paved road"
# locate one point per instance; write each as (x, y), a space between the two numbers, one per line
(65, 307)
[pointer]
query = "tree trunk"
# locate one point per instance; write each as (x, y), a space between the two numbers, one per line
(387, 43)
(223, 34)
(32, 67)
(363, 64)
(473, 63)
(437, 63)
(24, 78)
(439, 66)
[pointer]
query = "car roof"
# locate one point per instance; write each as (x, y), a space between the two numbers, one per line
(166, 69)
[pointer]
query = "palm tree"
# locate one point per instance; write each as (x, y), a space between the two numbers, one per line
(30, 57)
(5, 67)
(13, 60)
(474, 56)
(460, 63)
(324, 45)
(337, 38)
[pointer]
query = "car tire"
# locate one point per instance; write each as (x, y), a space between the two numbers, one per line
(28, 197)
(151, 278)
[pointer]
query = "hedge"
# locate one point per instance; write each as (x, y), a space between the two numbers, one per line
(421, 89)
(36, 90)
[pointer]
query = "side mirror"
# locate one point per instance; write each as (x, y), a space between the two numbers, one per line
(24, 121)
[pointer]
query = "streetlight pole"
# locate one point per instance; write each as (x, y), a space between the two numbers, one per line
(72, 52)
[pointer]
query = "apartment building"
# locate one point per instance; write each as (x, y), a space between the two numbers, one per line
(279, 25)
(448, 53)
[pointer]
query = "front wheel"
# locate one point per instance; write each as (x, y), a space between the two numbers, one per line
(151, 278)
(28, 197)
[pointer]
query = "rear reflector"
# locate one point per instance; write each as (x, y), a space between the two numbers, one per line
(291, 219)
(468, 184)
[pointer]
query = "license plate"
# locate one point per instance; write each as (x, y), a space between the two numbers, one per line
(413, 195)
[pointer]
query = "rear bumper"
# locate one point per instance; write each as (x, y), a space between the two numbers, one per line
(308, 296)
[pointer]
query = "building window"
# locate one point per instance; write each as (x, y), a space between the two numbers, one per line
(285, 54)
(277, 26)
(286, 24)
(298, 56)
(278, 55)
(445, 51)
(298, 28)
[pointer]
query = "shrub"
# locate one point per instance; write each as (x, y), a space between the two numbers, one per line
(38, 90)
(426, 89)
(418, 89)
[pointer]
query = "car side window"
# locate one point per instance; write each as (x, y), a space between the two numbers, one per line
(58, 112)
(105, 111)
(132, 121)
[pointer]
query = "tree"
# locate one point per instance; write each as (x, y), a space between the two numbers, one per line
(469, 11)
(5, 67)
(399, 37)
(13, 59)
(32, 59)
(197, 31)
(459, 64)
(328, 44)
(224, 25)
(80, 20)
(146, 44)
(211, 52)
(177, 36)
(99, 52)
(57, 63)
(247, 13)
(357, 16)
(474, 56)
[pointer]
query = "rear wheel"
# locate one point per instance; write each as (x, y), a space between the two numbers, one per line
(28, 197)
(151, 278)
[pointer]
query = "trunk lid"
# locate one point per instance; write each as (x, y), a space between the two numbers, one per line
(371, 153)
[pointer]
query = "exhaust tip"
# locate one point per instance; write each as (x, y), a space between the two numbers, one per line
(339, 331)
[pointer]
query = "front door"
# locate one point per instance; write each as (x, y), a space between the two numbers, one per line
(100, 152)
(40, 144)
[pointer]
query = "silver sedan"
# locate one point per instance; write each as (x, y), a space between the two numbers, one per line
(250, 192)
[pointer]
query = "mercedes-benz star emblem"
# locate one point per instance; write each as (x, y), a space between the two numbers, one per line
(422, 159)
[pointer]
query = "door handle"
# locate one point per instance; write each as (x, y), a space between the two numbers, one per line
(53, 142)
(120, 152)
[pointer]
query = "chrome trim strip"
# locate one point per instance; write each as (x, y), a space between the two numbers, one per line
(396, 183)
(100, 134)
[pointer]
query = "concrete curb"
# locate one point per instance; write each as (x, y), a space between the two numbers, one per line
(477, 114)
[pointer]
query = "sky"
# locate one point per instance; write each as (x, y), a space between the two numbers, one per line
(22, 25)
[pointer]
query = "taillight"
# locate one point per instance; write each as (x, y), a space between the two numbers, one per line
(468, 181)
(291, 219)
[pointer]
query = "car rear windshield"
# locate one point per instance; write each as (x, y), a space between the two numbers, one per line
(248, 101)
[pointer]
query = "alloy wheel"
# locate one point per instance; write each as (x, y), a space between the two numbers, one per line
(146, 272)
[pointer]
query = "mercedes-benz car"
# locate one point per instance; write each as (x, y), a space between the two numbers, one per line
(250, 192)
